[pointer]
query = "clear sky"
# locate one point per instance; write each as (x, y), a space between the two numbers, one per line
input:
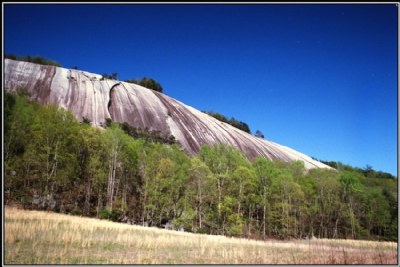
(321, 79)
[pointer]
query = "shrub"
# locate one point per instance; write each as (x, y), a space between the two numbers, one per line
(76, 211)
(201, 231)
(104, 214)
(107, 214)
(114, 215)
(34, 59)
(232, 121)
(148, 83)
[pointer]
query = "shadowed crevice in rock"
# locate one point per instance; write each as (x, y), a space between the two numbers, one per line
(110, 100)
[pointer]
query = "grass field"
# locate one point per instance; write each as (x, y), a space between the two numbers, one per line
(37, 237)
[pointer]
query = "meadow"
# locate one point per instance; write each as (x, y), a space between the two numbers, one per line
(38, 237)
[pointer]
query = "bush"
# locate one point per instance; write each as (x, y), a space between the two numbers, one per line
(108, 122)
(24, 197)
(112, 76)
(107, 214)
(148, 83)
(114, 215)
(232, 121)
(104, 214)
(76, 212)
(201, 231)
(86, 120)
(34, 59)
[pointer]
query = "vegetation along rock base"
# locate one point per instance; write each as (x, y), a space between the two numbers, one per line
(55, 163)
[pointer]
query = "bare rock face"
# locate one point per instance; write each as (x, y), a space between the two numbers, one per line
(91, 96)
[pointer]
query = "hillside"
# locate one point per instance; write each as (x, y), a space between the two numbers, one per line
(90, 96)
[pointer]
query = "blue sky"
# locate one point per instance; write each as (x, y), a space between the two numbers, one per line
(321, 79)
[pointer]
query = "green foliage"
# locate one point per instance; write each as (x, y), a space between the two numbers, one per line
(350, 182)
(232, 121)
(148, 135)
(112, 215)
(148, 83)
(104, 214)
(53, 162)
(368, 171)
(108, 122)
(186, 219)
(86, 120)
(76, 212)
(34, 59)
(9, 103)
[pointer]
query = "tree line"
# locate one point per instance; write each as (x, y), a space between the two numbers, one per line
(232, 121)
(149, 83)
(34, 59)
(367, 171)
(146, 82)
(54, 162)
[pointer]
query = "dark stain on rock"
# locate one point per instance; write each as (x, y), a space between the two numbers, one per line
(42, 88)
(184, 121)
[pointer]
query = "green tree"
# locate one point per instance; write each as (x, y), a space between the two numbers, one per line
(286, 196)
(34, 59)
(351, 185)
(115, 140)
(376, 211)
(19, 115)
(222, 160)
(200, 188)
(94, 171)
(52, 151)
(232, 121)
(265, 173)
(9, 103)
(112, 76)
(327, 203)
(148, 83)
(244, 184)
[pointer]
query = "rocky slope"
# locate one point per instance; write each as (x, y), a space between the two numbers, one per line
(95, 98)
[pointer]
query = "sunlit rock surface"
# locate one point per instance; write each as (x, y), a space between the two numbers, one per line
(89, 95)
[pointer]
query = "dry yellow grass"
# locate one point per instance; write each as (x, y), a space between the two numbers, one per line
(37, 237)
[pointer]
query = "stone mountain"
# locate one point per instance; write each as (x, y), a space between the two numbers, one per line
(91, 96)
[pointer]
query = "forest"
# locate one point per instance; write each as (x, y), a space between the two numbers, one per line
(54, 162)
